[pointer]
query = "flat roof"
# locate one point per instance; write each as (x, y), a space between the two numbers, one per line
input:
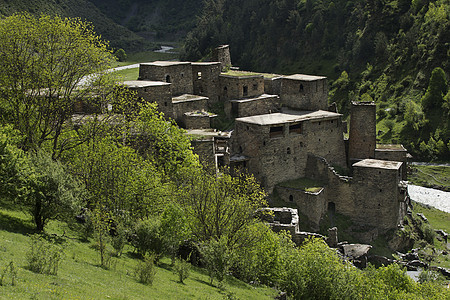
(304, 77)
(379, 164)
(188, 97)
(208, 132)
(206, 63)
(165, 63)
(390, 147)
(261, 97)
(288, 117)
(143, 83)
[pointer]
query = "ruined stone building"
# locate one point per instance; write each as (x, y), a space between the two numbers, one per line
(285, 134)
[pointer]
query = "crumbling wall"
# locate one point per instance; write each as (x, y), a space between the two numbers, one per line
(204, 148)
(159, 93)
(222, 55)
(188, 103)
(206, 80)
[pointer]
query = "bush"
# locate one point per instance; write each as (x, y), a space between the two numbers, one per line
(145, 270)
(148, 237)
(216, 257)
(182, 268)
(44, 257)
(12, 271)
(428, 233)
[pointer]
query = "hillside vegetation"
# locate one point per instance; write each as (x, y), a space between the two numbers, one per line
(117, 35)
(377, 50)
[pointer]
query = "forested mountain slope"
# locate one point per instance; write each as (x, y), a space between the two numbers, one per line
(119, 36)
(377, 49)
(153, 19)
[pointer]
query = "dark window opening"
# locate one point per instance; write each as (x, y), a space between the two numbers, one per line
(288, 150)
(331, 208)
(235, 109)
(168, 78)
(319, 123)
(165, 103)
(225, 90)
(301, 88)
(276, 131)
(381, 190)
(182, 75)
(255, 86)
(245, 92)
(248, 128)
(264, 143)
(331, 121)
(301, 144)
(240, 149)
(296, 128)
(291, 198)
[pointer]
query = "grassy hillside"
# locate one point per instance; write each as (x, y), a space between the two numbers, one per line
(81, 277)
(119, 36)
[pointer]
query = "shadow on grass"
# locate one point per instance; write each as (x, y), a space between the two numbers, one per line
(16, 225)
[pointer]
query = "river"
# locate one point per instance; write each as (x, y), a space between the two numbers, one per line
(436, 198)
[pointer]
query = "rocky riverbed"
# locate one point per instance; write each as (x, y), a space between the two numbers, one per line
(436, 198)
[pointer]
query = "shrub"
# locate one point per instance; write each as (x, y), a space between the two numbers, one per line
(145, 270)
(118, 240)
(44, 257)
(148, 237)
(182, 268)
(12, 271)
(428, 233)
(216, 257)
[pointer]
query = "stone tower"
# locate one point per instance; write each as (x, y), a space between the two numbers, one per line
(362, 139)
(222, 55)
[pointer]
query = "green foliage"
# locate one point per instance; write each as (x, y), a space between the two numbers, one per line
(120, 55)
(437, 89)
(42, 62)
(221, 206)
(44, 257)
(217, 258)
(52, 192)
(146, 270)
(148, 238)
(182, 268)
(10, 270)
(174, 228)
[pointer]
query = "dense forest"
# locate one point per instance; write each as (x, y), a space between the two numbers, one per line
(384, 51)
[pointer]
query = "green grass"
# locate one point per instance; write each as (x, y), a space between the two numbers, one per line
(306, 184)
(146, 56)
(128, 74)
(81, 277)
(437, 218)
(430, 176)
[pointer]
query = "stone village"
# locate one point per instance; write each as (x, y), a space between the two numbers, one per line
(285, 131)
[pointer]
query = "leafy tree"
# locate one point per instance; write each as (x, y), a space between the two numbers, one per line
(52, 192)
(47, 66)
(221, 206)
(437, 89)
(217, 258)
(120, 55)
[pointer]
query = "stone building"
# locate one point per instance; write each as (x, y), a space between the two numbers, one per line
(285, 133)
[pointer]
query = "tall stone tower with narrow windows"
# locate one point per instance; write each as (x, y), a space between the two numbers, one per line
(222, 55)
(362, 139)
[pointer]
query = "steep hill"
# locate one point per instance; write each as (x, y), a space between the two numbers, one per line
(119, 36)
(153, 19)
(377, 50)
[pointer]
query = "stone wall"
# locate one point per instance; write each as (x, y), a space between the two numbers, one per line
(179, 74)
(362, 138)
(263, 104)
(279, 152)
(222, 55)
(234, 87)
(304, 92)
(313, 205)
(196, 120)
(206, 80)
(150, 91)
(394, 153)
(204, 148)
(272, 86)
(187, 103)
